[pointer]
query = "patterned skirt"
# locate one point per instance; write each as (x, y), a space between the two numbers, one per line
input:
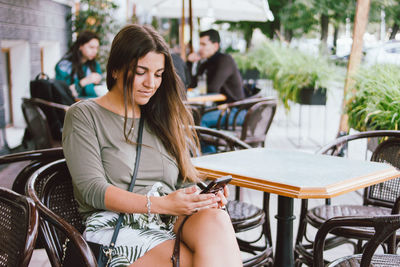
(138, 233)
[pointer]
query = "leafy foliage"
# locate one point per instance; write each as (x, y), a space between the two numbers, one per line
(290, 69)
(376, 103)
(299, 18)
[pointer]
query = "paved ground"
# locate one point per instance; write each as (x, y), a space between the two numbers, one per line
(318, 125)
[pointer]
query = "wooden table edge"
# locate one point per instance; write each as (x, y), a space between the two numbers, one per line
(307, 193)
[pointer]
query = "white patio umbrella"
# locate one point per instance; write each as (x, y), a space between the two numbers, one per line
(230, 10)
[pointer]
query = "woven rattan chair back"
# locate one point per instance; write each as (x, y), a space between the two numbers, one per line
(257, 122)
(384, 228)
(386, 193)
(19, 222)
(36, 158)
(51, 188)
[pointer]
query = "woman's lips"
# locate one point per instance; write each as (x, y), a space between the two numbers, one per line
(145, 92)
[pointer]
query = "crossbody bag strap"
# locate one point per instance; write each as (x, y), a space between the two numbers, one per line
(135, 171)
(176, 253)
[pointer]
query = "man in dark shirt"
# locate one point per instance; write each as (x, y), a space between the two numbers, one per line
(221, 72)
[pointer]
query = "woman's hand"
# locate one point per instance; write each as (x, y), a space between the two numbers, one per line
(187, 201)
(223, 196)
(93, 77)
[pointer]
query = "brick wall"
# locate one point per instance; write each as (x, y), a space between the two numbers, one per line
(33, 21)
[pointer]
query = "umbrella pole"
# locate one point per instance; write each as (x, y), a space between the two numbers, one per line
(191, 26)
(182, 37)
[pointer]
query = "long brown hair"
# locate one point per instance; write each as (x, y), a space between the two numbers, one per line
(75, 56)
(165, 113)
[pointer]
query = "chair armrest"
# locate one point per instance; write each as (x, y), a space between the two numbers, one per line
(218, 107)
(41, 154)
(70, 232)
(384, 227)
(366, 134)
(50, 104)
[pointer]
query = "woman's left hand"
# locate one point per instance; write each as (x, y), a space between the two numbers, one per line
(223, 196)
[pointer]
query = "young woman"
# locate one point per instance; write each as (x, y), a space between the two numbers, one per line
(99, 141)
(78, 68)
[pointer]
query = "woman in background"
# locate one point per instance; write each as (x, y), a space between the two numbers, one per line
(79, 68)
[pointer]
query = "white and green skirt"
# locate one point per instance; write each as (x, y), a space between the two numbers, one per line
(138, 233)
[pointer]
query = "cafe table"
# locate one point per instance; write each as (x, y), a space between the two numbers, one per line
(293, 174)
(206, 98)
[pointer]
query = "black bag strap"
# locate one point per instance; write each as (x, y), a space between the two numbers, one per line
(176, 253)
(42, 76)
(135, 171)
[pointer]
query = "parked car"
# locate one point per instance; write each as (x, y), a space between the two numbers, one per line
(388, 52)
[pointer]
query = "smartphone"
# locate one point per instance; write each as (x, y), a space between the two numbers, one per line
(216, 185)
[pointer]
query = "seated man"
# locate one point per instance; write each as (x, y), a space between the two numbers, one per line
(222, 74)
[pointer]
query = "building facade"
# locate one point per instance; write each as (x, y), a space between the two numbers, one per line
(34, 34)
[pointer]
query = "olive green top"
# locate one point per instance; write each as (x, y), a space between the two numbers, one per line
(97, 155)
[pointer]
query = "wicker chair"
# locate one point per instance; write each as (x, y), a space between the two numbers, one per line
(19, 223)
(51, 189)
(36, 158)
(380, 199)
(259, 115)
(42, 123)
(383, 228)
(244, 216)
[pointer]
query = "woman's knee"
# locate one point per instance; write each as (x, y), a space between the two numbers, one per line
(211, 221)
(217, 216)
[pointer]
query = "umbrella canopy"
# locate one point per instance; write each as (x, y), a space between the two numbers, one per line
(229, 10)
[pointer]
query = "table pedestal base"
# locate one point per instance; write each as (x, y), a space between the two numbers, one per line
(284, 236)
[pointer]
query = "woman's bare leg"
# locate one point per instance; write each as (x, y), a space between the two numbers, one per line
(210, 235)
(161, 254)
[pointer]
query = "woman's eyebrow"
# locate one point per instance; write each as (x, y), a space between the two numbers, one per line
(145, 68)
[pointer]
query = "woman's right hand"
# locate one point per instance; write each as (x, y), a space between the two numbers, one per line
(93, 77)
(186, 201)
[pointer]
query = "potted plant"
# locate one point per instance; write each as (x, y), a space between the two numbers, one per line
(376, 102)
(297, 76)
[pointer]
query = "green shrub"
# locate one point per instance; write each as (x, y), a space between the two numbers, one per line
(288, 68)
(376, 103)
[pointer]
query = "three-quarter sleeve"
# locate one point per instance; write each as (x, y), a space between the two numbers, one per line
(63, 71)
(83, 156)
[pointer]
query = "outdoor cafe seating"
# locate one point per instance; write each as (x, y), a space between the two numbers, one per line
(260, 112)
(61, 224)
(384, 227)
(379, 199)
(19, 225)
